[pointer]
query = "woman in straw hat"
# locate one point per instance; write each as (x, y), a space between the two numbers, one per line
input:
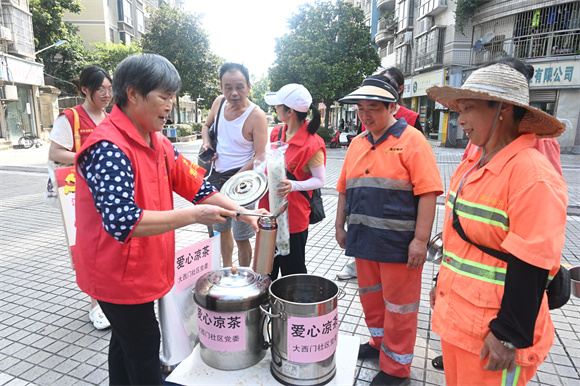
(388, 190)
(492, 315)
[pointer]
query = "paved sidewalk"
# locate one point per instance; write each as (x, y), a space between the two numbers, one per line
(47, 339)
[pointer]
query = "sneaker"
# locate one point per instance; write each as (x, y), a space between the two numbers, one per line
(383, 378)
(366, 351)
(345, 275)
(98, 318)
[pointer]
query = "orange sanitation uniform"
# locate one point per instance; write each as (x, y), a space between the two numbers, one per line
(382, 183)
(516, 203)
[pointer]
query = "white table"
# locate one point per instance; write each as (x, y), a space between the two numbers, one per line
(194, 371)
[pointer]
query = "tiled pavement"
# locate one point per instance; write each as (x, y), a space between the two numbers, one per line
(45, 335)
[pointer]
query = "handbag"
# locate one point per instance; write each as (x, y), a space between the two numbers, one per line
(51, 195)
(213, 139)
(315, 201)
(558, 290)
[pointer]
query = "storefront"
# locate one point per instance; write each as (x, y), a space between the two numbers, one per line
(555, 89)
(21, 113)
(415, 98)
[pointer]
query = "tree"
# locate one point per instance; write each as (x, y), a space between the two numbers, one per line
(108, 55)
(259, 89)
(328, 50)
(179, 36)
(66, 61)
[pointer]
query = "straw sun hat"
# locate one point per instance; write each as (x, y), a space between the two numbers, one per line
(502, 83)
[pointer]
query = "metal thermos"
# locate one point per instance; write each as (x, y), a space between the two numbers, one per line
(265, 245)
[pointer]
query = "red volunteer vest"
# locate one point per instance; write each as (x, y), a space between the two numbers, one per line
(141, 269)
(409, 115)
(86, 124)
(301, 148)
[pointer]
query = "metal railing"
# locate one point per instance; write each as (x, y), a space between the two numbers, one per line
(551, 44)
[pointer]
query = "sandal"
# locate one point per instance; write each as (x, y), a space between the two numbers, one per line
(437, 362)
(98, 318)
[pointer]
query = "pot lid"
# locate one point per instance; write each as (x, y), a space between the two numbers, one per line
(246, 187)
(231, 290)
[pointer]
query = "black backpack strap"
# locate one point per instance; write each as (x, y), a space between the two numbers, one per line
(290, 175)
(490, 251)
(293, 177)
(217, 118)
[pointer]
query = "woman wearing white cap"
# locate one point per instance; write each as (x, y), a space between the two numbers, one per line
(305, 166)
(492, 315)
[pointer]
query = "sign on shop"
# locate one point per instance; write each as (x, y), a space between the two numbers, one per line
(556, 74)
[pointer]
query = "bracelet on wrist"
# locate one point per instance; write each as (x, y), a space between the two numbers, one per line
(508, 345)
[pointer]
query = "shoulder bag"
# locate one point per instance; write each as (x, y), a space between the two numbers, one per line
(51, 195)
(212, 137)
(558, 290)
(316, 204)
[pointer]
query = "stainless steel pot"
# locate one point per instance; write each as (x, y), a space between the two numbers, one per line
(229, 317)
(304, 314)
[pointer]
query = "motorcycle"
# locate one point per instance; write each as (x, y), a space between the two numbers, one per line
(341, 139)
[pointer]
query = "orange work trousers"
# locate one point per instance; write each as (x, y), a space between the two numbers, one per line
(390, 294)
(465, 368)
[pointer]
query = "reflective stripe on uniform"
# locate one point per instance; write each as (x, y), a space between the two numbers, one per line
(381, 223)
(376, 332)
(481, 213)
(402, 308)
(368, 290)
(510, 379)
(490, 274)
(402, 359)
(381, 183)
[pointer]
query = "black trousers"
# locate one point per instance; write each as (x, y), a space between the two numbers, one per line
(134, 345)
(295, 262)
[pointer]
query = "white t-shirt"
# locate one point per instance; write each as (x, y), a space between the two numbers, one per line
(61, 132)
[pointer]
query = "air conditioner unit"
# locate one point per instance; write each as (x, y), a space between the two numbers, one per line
(10, 93)
(5, 33)
(425, 24)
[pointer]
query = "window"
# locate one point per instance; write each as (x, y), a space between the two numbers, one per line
(125, 38)
(112, 35)
(140, 21)
(125, 10)
(429, 48)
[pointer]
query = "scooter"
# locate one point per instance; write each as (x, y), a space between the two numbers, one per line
(341, 139)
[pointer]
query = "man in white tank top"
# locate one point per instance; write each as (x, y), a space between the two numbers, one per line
(242, 136)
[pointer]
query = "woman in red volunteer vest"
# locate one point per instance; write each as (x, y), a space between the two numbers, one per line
(305, 160)
(492, 314)
(94, 85)
(127, 174)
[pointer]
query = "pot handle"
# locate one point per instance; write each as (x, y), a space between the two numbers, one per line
(264, 311)
(341, 293)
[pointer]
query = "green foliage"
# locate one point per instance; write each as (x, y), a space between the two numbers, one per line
(259, 88)
(326, 134)
(464, 12)
(186, 129)
(108, 55)
(66, 61)
(328, 50)
(179, 36)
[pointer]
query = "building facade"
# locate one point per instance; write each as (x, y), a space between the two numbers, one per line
(20, 76)
(419, 37)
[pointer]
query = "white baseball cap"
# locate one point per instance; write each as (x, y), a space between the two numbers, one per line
(292, 95)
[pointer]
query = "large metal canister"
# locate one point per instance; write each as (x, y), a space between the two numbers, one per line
(304, 317)
(229, 317)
